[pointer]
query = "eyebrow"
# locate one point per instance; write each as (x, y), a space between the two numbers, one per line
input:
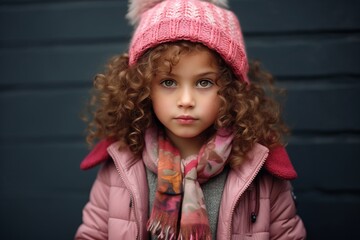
(203, 74)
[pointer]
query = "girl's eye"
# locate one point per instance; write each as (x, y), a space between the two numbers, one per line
(168, 83)
(204, 83)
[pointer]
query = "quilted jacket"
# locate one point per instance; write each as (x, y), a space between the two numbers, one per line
(257, 201)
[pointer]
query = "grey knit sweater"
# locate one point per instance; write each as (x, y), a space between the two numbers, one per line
(212, 190)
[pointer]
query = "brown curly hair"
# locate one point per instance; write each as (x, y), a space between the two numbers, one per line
(121, 107)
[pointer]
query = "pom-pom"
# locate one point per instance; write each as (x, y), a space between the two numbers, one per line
(137, 7)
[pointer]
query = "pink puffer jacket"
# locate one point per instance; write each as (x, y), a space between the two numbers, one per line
(118, 206)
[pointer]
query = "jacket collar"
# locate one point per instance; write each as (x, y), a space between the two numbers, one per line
(277, 163)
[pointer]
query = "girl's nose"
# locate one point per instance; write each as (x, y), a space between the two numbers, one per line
(186, 98)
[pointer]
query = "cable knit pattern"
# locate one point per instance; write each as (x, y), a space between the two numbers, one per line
(195, 21)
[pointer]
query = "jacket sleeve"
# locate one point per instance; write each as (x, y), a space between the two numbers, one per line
(95, 213)
(284, 223)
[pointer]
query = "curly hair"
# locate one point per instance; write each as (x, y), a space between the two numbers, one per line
(121, 107)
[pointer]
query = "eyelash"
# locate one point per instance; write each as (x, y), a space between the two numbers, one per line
(163, 83)
(208, 81)
(198, 83)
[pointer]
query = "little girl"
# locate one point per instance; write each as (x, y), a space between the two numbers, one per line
(190, 143)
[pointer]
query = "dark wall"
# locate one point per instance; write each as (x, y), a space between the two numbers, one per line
(50, 51)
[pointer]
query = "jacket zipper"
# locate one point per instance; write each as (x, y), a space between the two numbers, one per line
(238, 198)
(255, 213)
(249, 207)
(132, 201)
(254, 210)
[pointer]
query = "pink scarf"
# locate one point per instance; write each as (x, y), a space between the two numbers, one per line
(179, 210)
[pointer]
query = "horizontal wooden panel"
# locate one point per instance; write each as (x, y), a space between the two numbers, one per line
(63, 21)
(39, 114)
(325, 215)
(44, 168)
(54, 216)
(294, 16)
(293, 56)
(282, 56)
(56, 64)
(323, 106)
(106, 19)
(326, 164)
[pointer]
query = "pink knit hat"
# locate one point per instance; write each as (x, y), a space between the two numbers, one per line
(192, 20)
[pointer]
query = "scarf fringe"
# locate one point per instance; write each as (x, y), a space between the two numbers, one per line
(195, 232)
(163, 226)
(190, 232)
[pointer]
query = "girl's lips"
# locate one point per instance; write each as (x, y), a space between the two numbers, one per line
(185, 119)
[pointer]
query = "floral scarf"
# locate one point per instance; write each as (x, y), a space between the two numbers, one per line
(179, 210)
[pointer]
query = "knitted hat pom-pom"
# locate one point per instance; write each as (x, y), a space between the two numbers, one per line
(138, 7)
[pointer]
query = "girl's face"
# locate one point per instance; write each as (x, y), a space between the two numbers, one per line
(186, 100)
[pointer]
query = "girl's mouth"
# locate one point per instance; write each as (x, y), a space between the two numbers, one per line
(185, 119)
